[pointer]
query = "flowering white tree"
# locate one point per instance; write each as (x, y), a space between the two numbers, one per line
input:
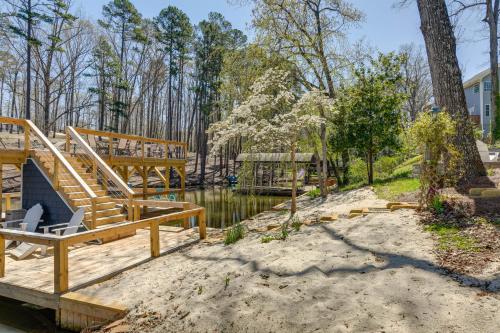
(272, 118)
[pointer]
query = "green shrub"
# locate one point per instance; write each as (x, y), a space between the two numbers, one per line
(313, 194)
(385, 166)
(234, 234)
(437, 205)
(357, 171)
(284, 231)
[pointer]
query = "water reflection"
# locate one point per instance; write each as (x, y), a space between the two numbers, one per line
(225, 208)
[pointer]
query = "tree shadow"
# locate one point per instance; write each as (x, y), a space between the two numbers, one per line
(392, 261)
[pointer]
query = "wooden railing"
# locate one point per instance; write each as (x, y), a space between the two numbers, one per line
(169, 149)
(61, 243)
(99, 166)
(60, 163)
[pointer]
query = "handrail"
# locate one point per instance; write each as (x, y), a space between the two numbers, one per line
(103, 165)
(61, 159)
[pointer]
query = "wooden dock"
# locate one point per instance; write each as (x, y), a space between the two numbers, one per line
(34, 280)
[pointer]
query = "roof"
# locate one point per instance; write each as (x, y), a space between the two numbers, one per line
(275, 157)
(477, 78)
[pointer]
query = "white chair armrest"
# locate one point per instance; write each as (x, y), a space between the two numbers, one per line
(6, 223)
(23, 226)
(59, 231)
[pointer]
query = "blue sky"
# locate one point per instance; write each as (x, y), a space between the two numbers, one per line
(384, 28)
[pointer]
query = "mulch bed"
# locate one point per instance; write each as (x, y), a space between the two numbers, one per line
(477, 221)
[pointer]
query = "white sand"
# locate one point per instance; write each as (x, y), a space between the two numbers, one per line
(370, 274)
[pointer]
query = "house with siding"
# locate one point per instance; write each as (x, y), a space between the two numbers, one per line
(478, 94)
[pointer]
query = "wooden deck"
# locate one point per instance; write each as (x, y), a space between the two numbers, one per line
(32, 280)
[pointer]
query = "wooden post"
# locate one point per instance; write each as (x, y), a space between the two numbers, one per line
(68, 141)
(185, 222)
(145, 186)
(110, 148)
(142, 150)
(183, 181)
(155, 239)
(2, 256)
(130, 208)
(94, 170)
(61, 283)
(8, 201)
(27, 143)
(93, 223)
(202, 226)
(137, 212)
(55, 178)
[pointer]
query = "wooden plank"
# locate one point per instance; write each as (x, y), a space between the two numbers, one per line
(36, 297)
(91, 306)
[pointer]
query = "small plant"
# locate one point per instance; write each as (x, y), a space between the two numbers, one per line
(437, 205)
(234, 234)
(284, 231)
(226, 282)
(315, 193)
(200, 290)
(266, 239)
(296, 224)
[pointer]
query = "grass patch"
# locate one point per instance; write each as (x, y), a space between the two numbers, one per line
(267, 239)
(391, 189)
(234, 234)
(313, 194)
(450, 238)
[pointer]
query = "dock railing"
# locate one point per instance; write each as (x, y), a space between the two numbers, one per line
(61, 243)
(108, 145)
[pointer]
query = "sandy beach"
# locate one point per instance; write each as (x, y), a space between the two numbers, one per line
(376, 273)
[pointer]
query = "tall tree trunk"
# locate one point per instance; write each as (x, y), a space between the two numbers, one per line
(27, 113)
(293, 207)
(447, 83)
(492, 20)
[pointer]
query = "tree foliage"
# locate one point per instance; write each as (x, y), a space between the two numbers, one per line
(372, 108)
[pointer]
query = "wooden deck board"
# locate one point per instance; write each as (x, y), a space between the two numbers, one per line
(88, 264)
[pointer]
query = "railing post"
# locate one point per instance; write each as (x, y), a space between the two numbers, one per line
(142, 150)
(130, 208)
(185, 222)
(61, 282)
(55, 179)
(68, 141)
(110, 148)
(27, 143)
(93, 223)
(155, 239)
(202, 226)
(2, 256)
(94, 169)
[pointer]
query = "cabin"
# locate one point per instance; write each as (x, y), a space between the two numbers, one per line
(84, 179)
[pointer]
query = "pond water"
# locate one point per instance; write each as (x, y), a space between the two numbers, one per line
(223, 209)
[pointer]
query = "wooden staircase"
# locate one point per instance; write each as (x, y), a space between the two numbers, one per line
(106, 211)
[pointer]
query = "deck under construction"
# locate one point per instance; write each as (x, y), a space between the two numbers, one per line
(91, 170)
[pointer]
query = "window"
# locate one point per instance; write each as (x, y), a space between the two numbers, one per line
(476, 88)
(487, 85)
(487, 110)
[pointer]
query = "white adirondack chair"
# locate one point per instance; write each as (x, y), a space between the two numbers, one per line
(29, 223)
(62, 229)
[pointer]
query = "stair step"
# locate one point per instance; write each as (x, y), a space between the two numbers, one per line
(83, 195)
(110, 219)
(99, 206)
(103, 213)
(73, 182)
(78, 188)
(86, 201)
